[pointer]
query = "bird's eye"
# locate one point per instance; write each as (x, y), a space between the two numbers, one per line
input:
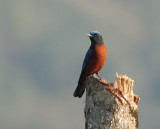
(96, 35)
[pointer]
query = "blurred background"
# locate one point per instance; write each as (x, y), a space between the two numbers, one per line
(42, 47)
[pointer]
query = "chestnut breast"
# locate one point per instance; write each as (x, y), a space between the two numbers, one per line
(99, 55)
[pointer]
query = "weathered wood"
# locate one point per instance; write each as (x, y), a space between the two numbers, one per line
(104, 111)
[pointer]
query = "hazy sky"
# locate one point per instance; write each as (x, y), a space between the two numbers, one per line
(42, 47)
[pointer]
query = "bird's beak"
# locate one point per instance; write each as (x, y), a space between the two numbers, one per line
(89, 35)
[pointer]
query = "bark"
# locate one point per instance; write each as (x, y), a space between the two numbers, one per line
(104, 111)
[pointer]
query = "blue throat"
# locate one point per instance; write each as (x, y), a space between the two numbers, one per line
(96, 42)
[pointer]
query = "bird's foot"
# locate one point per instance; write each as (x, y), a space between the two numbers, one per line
(98, 76)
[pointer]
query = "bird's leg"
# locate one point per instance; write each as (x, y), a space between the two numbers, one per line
(98, 76)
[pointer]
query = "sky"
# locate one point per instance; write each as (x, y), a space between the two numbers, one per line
(42, 47)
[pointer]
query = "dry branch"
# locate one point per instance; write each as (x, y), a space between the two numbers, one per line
(104, 111)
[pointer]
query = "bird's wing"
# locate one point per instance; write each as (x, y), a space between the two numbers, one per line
(87, 58)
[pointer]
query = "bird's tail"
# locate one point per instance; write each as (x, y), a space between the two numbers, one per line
(79, 90)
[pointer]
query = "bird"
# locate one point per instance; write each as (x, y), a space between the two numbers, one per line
(93, 62)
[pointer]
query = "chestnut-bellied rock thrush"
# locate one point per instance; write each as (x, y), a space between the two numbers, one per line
(94, 61)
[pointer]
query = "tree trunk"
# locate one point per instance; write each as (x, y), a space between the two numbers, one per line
(105, 111)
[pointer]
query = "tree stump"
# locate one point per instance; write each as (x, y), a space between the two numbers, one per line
(105, 111)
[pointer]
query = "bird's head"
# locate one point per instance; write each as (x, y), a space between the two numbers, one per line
(95, 37)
